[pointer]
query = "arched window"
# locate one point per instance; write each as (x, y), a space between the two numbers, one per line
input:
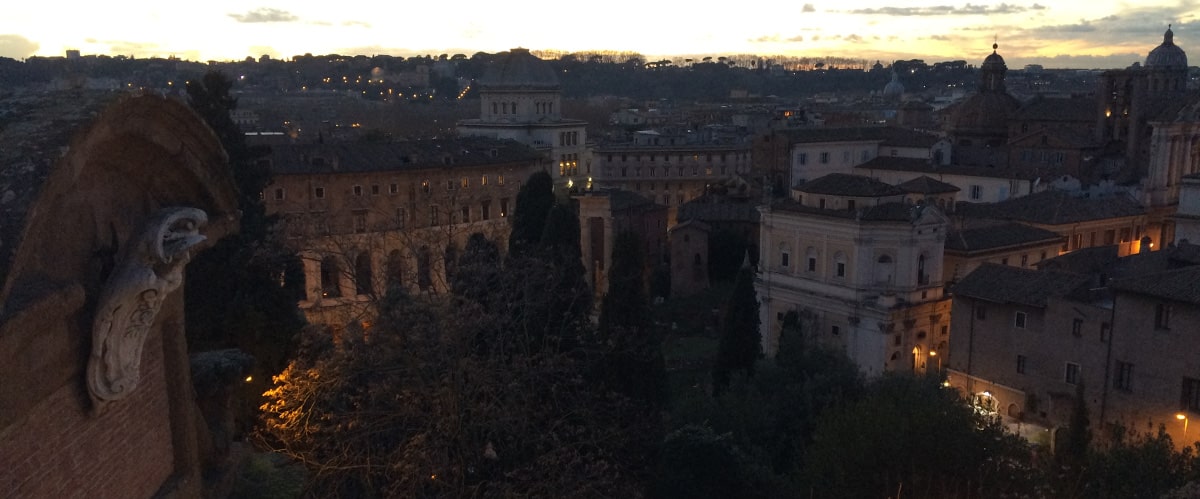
(395, 268)
(329, 278)
(362, 274)
(424, 279)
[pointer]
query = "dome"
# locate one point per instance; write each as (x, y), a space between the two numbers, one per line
(985, 113)
(894, 88)
(1168, 55)
(994, 61)
(518, 69)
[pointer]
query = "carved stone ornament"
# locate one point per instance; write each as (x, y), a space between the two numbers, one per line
(151, 267)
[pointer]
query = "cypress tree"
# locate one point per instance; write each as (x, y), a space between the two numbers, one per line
(741, 343)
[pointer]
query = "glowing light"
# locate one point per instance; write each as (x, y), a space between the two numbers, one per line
(249, 378)
(986, 394)
(933, 353)
(1180, 416)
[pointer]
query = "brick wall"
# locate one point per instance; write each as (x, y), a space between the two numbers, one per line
(60, 450)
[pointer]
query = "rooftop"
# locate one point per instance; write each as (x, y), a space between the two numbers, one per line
(1004, 284)
(998, 236)
(926, 185)
(1053, 208)
(415, 155)
(842, 184)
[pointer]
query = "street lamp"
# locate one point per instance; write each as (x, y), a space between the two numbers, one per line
(1183, 417)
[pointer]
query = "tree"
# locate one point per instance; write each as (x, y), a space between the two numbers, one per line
(910, 437)
(478, 272)
(740, 345)
(534, 201)
(625, 305)
(413, 409)
(234, 294)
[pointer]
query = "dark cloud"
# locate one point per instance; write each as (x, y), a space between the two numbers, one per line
(17, 46)
(808, 7)
(265, 15)
(950, 10)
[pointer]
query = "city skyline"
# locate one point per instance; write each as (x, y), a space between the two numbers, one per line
(1060, 34)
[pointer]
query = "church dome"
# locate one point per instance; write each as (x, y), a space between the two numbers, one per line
(987, 112)
(1168, 55)
(894, 88)
(518, 69)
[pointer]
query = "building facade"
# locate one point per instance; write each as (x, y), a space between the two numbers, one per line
(861, 268)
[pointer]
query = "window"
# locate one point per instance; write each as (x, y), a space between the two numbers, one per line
(1077, 328)
(802, 158)
(483, 180)
(464, 182)
(358, 190)
(319, 192)
(1162, 316)
(1123, 377)
(821, 203)
(362, 274)
(980, 312)
(504, 207)
(824, 158)
(1021, 364)
(485, 210)
(433, 215)
(394, 189)
(1019, 320)
(329, 278)
(1105, 332)
(466, 214)
(840, 264)
(425, 186)
(835, 330)
(360, 221)
(783, 259)
(1072, 373)
(1024, 260)
(449, 184)
(279, 194)
(400, 214)
(1189, 399)
(850, 205)
(375, 190)
(500, 179)
(945, 331)
(976, 192)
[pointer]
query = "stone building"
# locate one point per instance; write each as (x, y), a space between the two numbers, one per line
(521, 99)
(105, 200)
(604, 213)
(862, 268)
(1119, 328)
(364, 217)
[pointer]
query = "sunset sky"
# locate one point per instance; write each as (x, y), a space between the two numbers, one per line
(1055, 33)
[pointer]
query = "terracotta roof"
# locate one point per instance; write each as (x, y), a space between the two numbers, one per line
(1053, 208)
(897, 136)
(1182, 285)
(998, 236)
(926, 185)
(842, 184)
(886, 212)
(423, 154)
(891, 163)
(1004, 284)
(1072, 109)
(711, 210)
